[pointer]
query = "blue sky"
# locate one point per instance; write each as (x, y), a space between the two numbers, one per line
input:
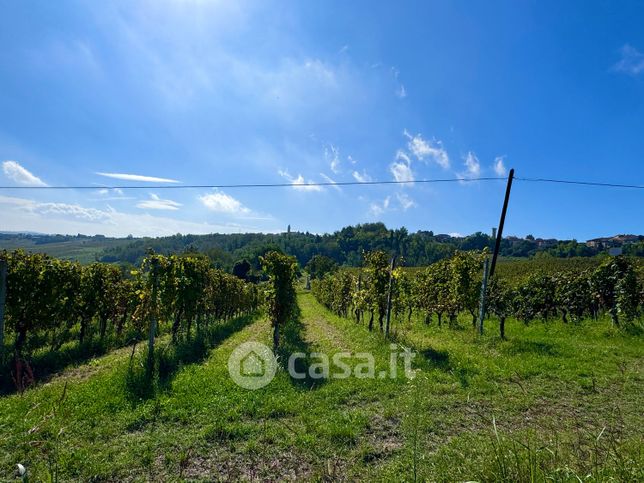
(212, 92)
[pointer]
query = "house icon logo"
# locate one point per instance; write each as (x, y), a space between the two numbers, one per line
(252, 365)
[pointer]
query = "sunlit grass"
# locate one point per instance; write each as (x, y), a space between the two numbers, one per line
(553, 401)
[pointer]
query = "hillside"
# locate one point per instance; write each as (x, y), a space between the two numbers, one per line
(345, 246)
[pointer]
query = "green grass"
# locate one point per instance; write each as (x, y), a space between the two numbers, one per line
(553, 401)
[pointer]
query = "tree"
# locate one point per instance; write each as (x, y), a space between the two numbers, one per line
(319, 266)
(241, 269)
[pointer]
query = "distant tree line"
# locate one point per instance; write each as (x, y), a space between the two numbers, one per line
(345, 247)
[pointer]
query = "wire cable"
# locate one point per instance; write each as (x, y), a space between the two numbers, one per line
(322, 184)
(582, 183)
(256, 185)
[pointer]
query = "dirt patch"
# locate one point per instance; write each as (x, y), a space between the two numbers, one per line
(270, 466)
(383, 437)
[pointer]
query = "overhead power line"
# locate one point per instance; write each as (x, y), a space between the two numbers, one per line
(255, 185)
(581, 183)
(322, 184)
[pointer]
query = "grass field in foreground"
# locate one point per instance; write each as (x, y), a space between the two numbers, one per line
(554, 401)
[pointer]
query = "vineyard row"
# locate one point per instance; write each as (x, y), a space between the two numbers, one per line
(453, 286)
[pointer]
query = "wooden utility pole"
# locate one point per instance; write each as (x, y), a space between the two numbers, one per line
(497, 246)
(3, 298)
(499, 234)
(391, 276)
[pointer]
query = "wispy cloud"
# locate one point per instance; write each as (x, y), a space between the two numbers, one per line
(156, 203)
(111, 194)
(472, 167)
(332, 155)
(631, 61)
(361, 177)
(405, 201)
(401, 167)
(70, 210)
(298, 182)
(18, 174)
(106, 191)
(400, 92)
(221, 202)
(427, 150)
(138, 177)
(377, 209)
(499, 166)
(27, 214)
(328, 179)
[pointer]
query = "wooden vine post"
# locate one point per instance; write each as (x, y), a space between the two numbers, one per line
(391, 277)
(3, 299)
(153, 316)
(486, 264)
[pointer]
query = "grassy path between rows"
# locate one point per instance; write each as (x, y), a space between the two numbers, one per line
(87, 424)
(550, 392)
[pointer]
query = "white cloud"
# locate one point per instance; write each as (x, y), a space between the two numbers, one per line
(15, 172)
(631, 62)
(402, 155)
(220, 202)
(332, 155)
(70, 210)
(111, 194)
(472, 166)
(156, 203)
(402, 172)
(401, 92)
(20, 214)
(361, 177)
(118, 192)
(499, 166)
(332, 181)
(299, 183)
(10, 200)
(405, 201)
(138, 177)
(401, 168)
(351, 160)
(377, 209)
(432, 150)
